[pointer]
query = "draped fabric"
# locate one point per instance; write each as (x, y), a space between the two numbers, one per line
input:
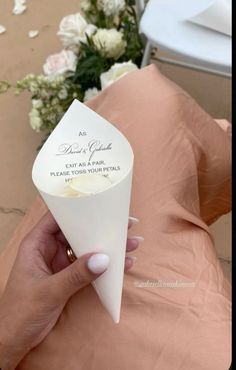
(175, 311)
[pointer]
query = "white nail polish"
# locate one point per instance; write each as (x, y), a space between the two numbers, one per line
(140, 239)
(134, 220)
(132, 258)
(98, 263)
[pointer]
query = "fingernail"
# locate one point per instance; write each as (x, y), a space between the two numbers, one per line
(140, 239)
(132, 258)
(98, 263)
(134, 220)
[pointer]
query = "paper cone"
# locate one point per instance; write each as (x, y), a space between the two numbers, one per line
(82, 143)
(215, 15)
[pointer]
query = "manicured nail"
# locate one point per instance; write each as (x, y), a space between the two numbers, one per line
(98, 263)
(131, 258)
(134, 220)
(140, 239)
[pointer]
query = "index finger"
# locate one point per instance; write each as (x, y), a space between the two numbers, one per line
(46, 226)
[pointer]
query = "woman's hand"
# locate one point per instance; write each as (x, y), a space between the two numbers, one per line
(41, 282)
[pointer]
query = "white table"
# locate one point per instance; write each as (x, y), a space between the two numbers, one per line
(164, 25)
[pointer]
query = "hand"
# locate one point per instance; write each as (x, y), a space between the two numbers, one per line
(41, 282)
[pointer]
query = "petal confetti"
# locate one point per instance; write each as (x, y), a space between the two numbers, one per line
(19, 7)
(2, 29)
(33, 33)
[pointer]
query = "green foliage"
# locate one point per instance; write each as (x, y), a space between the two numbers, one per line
(51, 96)
(4, 86)
(90, 66)
(134, 48)
(130, 2)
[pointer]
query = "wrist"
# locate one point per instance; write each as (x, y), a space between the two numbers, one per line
(12, 349)
(10, 356)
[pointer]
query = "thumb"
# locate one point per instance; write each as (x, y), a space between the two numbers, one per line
(79, 274)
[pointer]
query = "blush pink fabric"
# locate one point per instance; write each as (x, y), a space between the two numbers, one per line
(181, 184)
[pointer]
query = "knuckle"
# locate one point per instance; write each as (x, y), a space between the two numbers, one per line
(77, 277)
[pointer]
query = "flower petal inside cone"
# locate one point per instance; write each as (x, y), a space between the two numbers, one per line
(86, 185)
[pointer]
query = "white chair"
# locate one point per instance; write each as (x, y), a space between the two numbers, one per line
(163, 24)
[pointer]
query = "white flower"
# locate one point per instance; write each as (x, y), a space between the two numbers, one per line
(85, 5)
(63, 94)
(44, 93)
(52, 117)
(110, 42)
(111, 7)
(73, 30)
(90, 93)
(55, 101)
(60, 63)
(33, 87)
(37, 103)
(117, 71)
(35, 120)
(2, 29)
(19, 7)
(55, 81)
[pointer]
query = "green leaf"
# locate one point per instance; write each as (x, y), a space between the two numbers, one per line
(90, 66)
(4, 86)
(130, 2)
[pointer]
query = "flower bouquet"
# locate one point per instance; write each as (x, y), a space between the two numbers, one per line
(99, 47)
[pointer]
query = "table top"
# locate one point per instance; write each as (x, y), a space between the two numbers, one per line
(164, 24)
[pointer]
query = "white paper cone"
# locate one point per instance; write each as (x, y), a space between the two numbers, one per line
(216, 15)
(84, 143)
